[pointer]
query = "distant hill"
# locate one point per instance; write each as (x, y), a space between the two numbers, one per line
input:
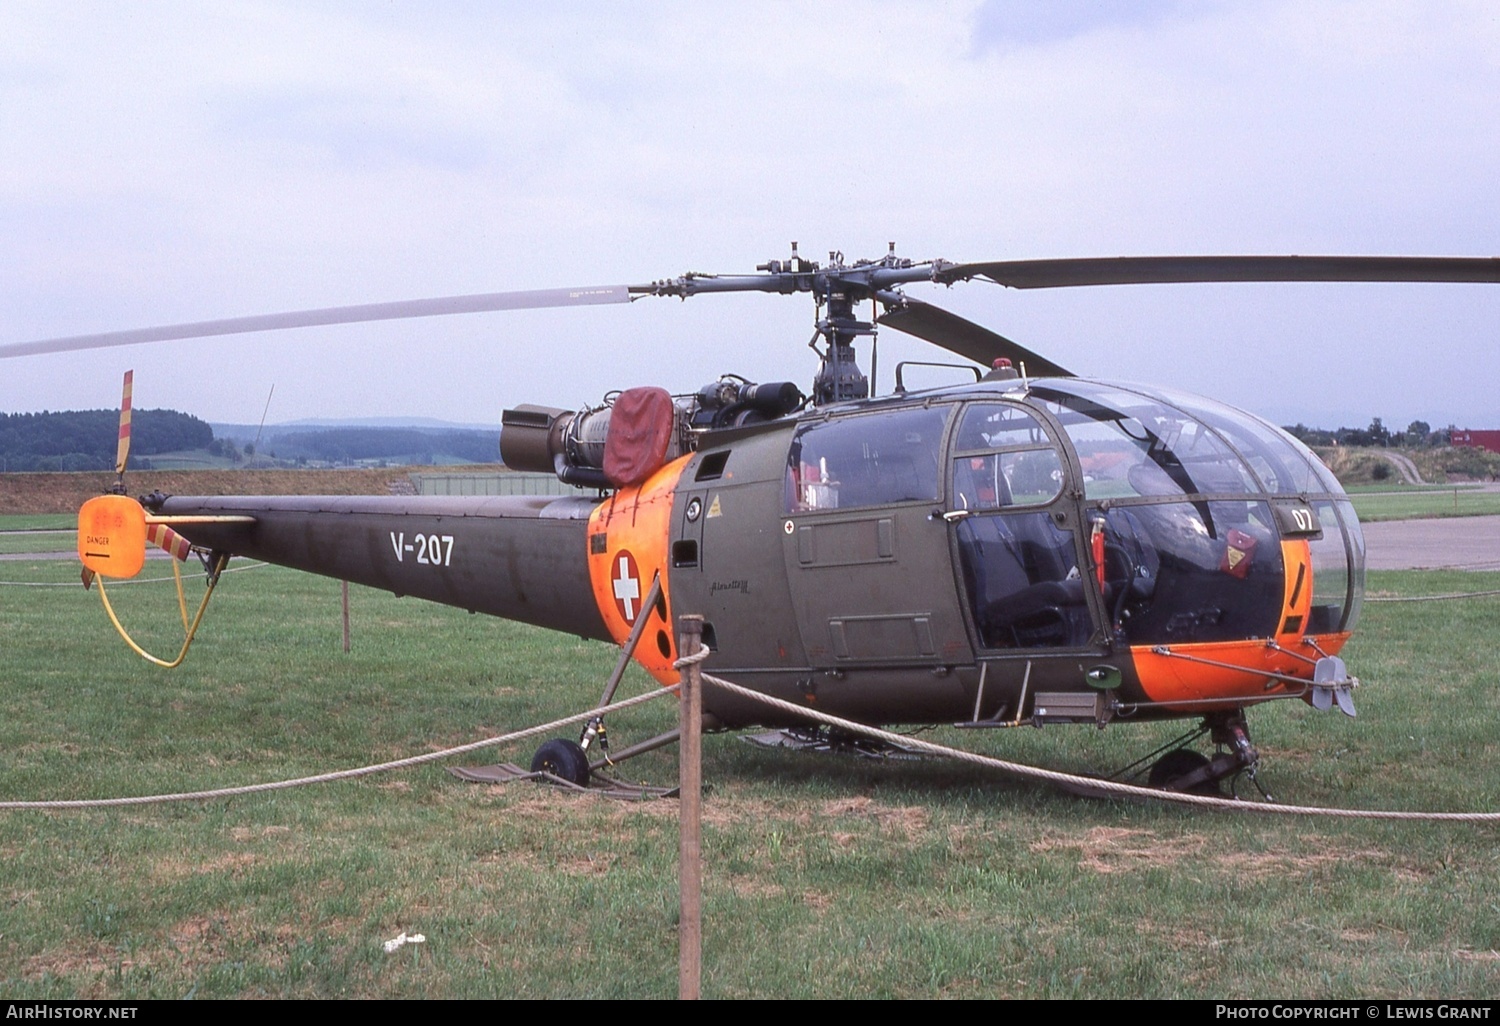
(87, 439)
(82, 440)
(394, 440)
(247, 432)
(393, 445)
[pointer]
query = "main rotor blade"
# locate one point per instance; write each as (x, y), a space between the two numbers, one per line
(1051, 274)
(479, 303)
(967, 339)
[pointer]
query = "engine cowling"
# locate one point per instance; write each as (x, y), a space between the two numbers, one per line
(635, 432)
(614, 446)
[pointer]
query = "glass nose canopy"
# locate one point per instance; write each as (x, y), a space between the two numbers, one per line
(1174, 474)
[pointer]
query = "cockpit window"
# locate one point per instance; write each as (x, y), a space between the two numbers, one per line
(1004, 458)
(1130, 446)
(1029, 477)
(1192, 571)
(871, 460)
(997, 426)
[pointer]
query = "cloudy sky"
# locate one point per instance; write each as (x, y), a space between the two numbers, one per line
(177, 162)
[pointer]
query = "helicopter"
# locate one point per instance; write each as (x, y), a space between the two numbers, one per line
(1028, 547)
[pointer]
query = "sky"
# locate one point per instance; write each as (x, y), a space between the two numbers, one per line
(185, 161)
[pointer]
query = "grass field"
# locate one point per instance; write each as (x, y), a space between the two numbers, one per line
(825, 876)
(39, 541)
(1403, 505)
(38, 522)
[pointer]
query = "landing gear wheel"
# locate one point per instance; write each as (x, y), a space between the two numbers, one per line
(562, 758)
(1177, 764)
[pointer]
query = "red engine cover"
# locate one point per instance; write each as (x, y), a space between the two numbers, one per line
(640, 432)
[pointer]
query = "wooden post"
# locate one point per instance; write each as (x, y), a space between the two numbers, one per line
(689, 815)
(345, 587)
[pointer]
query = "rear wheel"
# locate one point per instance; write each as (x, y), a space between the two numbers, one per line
(562, 758)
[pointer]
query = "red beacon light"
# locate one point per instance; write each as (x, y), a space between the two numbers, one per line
(1001, 370)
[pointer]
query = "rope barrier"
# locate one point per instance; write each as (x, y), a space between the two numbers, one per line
(690, 660)
(1430, 598)
(1108, 786)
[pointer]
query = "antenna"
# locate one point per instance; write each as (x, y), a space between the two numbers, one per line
(263, 417)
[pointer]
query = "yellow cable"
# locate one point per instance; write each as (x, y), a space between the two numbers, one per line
(213, 580)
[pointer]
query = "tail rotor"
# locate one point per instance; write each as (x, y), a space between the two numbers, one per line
(122, 449)
(112, 535)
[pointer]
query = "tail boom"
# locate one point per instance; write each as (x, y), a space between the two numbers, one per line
(523, 558)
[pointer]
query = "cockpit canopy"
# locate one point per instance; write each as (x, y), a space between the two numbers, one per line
(1160, 443)
(1195, 500)
(1149, 452)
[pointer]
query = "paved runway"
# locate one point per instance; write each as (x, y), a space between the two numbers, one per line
(1456, 543)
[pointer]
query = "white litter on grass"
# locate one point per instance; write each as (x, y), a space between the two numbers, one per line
(415, 938)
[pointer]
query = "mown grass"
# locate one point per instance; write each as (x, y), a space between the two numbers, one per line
(825, 876)
(1449, 502)
(38, 522)
(38, 540)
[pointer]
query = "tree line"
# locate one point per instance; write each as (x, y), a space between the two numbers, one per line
(87, 439)
(1418, 435)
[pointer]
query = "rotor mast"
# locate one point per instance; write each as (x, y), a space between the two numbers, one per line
(839, 377)
(837, 288)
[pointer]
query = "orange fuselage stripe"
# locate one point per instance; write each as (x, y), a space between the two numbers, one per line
(629, 539)
(1187, 676)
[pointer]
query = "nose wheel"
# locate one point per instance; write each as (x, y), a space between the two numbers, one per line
(1186, 771)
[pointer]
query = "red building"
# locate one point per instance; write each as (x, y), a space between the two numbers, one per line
(1477, 439)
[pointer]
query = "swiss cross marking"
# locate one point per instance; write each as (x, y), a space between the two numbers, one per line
(626, 580)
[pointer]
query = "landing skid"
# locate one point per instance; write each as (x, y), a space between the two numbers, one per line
(599, 784)
(829, 741)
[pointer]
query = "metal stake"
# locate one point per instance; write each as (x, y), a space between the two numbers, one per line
(689, 816)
